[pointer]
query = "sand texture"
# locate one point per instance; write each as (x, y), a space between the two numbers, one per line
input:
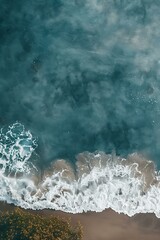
(109, 225)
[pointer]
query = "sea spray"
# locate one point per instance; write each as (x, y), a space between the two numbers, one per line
(98, 182)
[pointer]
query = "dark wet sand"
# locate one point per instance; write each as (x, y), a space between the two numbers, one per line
(109, 225)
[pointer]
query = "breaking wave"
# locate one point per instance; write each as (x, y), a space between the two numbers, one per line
(99, 181)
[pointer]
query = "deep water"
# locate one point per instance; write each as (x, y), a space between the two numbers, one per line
(82, 75)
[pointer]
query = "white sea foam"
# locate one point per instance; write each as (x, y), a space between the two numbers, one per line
(100, 180)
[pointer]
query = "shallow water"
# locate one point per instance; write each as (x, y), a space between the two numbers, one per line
(97, 182)
(79, 77)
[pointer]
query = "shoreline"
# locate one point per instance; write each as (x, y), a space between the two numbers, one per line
(101, 181)
(107, 225)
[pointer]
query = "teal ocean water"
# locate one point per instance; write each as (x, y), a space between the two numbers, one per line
(78, 77)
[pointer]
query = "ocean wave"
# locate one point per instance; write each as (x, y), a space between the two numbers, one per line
(99, 180)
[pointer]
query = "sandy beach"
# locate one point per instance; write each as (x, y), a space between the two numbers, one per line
(109, 225)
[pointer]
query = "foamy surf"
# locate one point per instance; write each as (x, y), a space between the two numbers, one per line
(98, 182)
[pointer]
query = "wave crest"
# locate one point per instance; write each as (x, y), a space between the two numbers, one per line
(99, 180)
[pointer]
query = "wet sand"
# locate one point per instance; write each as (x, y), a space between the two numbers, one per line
(109, 225)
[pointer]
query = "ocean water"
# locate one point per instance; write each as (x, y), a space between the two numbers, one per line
(80, 105)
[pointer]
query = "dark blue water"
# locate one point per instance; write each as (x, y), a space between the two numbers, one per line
(82, 75)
